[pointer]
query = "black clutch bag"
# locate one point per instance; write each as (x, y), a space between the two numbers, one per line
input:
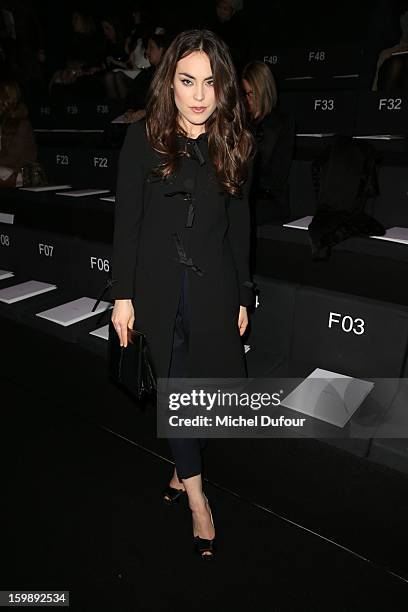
(131, 367)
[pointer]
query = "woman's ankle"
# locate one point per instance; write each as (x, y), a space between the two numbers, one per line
(175, 484)
(198, 504)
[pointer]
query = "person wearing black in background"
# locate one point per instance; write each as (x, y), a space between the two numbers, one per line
(157, 43)
(230, 25)
(275, 136)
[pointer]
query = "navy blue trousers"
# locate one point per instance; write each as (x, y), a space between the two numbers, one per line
(186, 451)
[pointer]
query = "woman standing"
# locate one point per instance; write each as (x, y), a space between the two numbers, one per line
(181, 242)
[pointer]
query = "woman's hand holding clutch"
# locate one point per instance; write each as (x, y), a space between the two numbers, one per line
(123, 317)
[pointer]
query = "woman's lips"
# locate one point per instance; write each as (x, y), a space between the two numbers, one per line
(198, 109)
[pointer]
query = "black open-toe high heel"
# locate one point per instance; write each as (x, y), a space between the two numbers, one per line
(171, 495)
(203, 546)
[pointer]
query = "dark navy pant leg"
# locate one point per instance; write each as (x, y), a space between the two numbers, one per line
(186, 451)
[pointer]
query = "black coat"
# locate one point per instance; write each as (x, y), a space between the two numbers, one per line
(275, 138)
(136, 97)
(164, 227)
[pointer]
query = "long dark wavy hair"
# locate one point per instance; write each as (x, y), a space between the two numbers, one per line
(230, 144)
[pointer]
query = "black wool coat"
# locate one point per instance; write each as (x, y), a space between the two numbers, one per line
(275, 139)
(164, 227)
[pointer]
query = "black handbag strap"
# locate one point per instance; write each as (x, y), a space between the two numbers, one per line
(109, 283)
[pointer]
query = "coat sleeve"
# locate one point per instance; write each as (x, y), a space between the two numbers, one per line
(128, 212)
(239, 233)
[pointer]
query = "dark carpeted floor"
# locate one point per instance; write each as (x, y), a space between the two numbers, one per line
(84, 514)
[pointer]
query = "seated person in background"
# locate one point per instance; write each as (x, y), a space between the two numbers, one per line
(84, 56)
(115, 56)
(114, 41)
(392, 70)
(275, 136)
(229, 24)
(157, 44)
(17, 143)
(119, 80)
(142, 26)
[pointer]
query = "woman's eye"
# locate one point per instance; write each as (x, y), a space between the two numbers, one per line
(210, 83)
(186, 81)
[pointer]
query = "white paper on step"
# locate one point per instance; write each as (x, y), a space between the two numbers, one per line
(101, 332)
(74, 311)
(328, 396)
(5, 274)
(25, 290)
(395, 234)
(81, 193)
(302, 223)
(45, 188)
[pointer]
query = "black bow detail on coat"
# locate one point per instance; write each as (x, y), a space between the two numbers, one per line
(196, 154)
(249, 285)
(188, 197)
(182, 256)
(190, 147)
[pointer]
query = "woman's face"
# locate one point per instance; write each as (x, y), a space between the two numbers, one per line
(4, 104)
(109, 31)
(224, 10)
(77, 23)
(194, 95)
(249, 96)
(153, 52)
(9, 99)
